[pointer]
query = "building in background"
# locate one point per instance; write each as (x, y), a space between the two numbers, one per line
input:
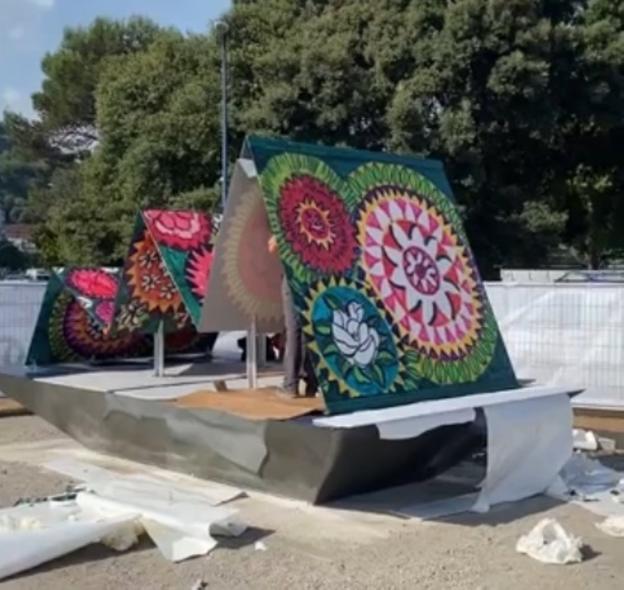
(21, 236)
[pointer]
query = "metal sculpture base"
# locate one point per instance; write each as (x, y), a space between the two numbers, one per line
(291, 457)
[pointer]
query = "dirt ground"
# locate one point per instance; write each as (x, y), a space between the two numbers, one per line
(313, 548)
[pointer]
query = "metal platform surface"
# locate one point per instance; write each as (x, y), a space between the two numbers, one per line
(293, 457)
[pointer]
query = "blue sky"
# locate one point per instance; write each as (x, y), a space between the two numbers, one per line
(30, 28)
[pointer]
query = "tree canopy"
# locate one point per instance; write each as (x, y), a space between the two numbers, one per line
(523, 100)
(18, 174)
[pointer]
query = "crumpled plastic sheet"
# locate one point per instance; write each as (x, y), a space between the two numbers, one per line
(584, 440)
(34, 534)
(180, 520)
(585, 476)
(550, 543)
(612, 525)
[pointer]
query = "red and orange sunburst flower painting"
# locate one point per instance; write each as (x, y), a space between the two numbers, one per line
(198, 267)
(316, 225)
(148, 279)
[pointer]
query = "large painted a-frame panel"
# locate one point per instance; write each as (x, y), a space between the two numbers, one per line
(166, 271)
(383, 278)
(76, 317)
(94, 314)
(245, 285)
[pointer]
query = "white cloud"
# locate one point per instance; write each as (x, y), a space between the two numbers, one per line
(43, 3)
(16, 32)
(11, 99)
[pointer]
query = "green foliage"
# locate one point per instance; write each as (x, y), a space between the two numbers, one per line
(158, 116)
(66, 102)
(18, 173)
(500, 90)
(599, 211)
(201, 199)
(522, 99)
(11, 258)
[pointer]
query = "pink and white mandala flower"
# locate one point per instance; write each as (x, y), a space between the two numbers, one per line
(422, 272)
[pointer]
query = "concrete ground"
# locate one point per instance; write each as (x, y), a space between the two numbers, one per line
(312, 547)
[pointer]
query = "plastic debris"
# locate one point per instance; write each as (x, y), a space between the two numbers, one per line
(34, 534)
(181, 521)
(584, 440)
(584, 476)
(612, 525)
(260, 546)
(549, 543)
(124, 537)
(606, 444)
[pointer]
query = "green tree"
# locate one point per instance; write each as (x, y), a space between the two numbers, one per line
(157, 112)
(11, 258)
(471, 82)
(66, 101)
(521, 99)
(18, 173)
(593, 134)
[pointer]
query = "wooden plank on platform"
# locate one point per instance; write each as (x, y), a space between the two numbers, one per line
(256, 404)
(9, 407)
(599, 420)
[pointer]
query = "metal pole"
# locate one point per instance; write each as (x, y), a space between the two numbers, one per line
(159, 350)
(252, 355)
(261, 350)
(222, 29)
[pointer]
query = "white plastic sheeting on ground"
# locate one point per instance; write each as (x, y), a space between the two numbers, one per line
(113, 485)
(588, 483)
(32, 535)
(585, 476)
(550, 543)
(528, 443)
(584, 440)
(181, 520)
(612, 525)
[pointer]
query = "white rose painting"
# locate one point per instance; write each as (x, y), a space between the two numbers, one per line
(352, 335)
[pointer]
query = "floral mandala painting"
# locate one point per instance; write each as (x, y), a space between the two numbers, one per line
(242, 267)
(309, 217)
(382, 276)
(197, 270)
(76, 335)
(167, 270)
(422, 272)
(92, 313)
(184, 230)
(96, 283)
(96, 289)
(149, 280)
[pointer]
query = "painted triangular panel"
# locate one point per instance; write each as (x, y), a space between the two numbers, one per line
(384, 282)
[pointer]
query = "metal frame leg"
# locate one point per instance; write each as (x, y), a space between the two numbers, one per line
(159, 351)
(252, 355)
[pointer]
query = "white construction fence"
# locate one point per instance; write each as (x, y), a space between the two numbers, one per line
(556, 333)
(565, 334)
(19, 305)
